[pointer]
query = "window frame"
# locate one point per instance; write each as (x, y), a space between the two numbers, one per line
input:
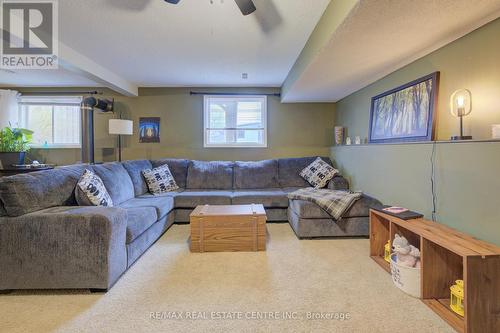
(206, 110)
(49, 102)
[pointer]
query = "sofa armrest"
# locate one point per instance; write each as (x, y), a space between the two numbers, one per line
(63, 247)
(361, 208)
(338, 183)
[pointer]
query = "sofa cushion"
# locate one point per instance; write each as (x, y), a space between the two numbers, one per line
(134, 169)
(117, 181)
(290, 168)
(160, 180)
(268, 197)
(307, 228)
(290, 189)
(361, 208)
(90, 191)
(27, 193)
(318, 173)
(193, 198)
(139, 219)
(178, 168)
(309, 210)
(338, 183)
(213, 175)
(162, 204)
(272, 214)
(3, 212)
(255, 175)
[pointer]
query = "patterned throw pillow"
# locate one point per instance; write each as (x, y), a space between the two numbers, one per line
(318, 173)
(160, 180)
(92, 187)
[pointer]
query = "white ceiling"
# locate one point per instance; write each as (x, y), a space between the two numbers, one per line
(378, 37)
(124, 44)
(194, 43)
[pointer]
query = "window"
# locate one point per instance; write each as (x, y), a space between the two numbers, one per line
(235, 121)
(55, 121)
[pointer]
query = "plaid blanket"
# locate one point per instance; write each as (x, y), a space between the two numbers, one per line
(335, 203)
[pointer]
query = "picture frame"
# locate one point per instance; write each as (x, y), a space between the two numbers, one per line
(406, 113)
(149, 130)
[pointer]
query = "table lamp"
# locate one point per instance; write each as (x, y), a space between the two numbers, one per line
(461, 106)
(121, 127)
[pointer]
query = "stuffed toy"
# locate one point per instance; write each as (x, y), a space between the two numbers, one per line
(407, 255)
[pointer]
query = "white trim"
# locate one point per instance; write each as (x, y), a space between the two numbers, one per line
(49, 104)
(206, 99)
(51, 100)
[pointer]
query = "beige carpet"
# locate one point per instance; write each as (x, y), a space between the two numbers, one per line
(332, 277)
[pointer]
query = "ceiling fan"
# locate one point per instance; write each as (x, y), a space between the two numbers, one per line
(246, 6)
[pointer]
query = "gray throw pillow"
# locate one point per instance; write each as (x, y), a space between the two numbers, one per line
(90, 191)
(318, 173)
(160, 180)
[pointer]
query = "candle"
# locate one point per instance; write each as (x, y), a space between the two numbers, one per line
(495, 131)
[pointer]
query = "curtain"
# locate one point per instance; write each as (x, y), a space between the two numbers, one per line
(9, 111)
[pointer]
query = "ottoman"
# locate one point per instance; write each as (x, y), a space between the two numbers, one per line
(308, 220)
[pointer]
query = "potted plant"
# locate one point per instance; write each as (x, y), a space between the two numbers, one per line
(14, 143)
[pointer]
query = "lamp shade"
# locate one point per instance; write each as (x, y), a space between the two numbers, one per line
(461, 103)
(121, 127)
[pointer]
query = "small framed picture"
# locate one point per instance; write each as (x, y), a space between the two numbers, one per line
(149, 130)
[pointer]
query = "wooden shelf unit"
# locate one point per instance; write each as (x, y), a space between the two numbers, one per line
(447, 255)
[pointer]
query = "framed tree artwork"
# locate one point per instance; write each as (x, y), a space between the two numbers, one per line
(149, 130)
(406, 113)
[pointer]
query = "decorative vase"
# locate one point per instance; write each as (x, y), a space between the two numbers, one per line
(339, 135)
(8, 160)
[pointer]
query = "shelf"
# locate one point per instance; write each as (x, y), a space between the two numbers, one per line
(446, 256)
(382, 263)
(441, 268)
(412, 237)
(419, 143)
(441, 307)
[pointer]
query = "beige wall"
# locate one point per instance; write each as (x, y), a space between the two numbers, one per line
(293, 129)
(467, 176)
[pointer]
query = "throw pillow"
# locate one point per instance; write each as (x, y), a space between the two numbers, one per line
(318, 173)
(90, 191)
(160, 180)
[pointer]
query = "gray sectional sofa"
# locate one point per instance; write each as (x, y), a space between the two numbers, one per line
(48, 242)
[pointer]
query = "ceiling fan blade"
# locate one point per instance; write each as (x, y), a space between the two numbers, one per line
(246, 6)
(174, 2)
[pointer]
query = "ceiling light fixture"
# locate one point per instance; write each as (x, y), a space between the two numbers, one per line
(246, 6)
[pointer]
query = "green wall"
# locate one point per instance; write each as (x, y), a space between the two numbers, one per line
(467, 174)
(294, 130)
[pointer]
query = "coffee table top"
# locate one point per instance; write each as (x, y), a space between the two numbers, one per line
(232, 210)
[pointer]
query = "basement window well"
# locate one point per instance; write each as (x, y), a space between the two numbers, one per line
(235, 121)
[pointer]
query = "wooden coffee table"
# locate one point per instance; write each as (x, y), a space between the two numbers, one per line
(228, 228)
